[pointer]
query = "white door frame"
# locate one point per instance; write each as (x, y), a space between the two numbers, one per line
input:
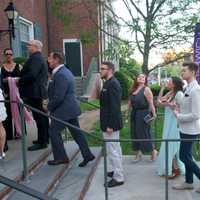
(81, 50)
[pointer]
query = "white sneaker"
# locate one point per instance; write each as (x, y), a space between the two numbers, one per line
(197, 190)
(183, 186)
(3, 155)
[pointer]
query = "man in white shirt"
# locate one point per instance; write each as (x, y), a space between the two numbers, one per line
(189, 123)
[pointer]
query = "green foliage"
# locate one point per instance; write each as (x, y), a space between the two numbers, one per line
(20, 60)
(88, 37)
(155, 88)
(130, 67)
(125, 83)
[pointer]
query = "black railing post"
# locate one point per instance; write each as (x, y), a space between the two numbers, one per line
(105, 169)
(166, 169)
(23, 133)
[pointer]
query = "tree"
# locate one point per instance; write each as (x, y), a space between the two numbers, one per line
(154, 23)
(160, 24)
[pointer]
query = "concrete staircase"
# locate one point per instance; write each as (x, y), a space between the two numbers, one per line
(62, 181)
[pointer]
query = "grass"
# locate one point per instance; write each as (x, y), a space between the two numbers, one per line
(124, 134)
(87, 107)
(156, 129)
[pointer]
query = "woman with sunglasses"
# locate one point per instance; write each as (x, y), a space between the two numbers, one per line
(9, 69)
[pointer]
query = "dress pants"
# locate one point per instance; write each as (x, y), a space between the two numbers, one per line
(58, 149)
(42, 122)
(114, 154)
(186, 157)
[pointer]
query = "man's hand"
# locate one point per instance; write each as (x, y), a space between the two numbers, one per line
(109, 131)
(45, 104)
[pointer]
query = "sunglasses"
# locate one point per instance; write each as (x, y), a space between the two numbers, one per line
(8, 54)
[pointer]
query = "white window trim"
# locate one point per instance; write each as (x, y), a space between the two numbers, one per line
(81, 50)
(27, 22)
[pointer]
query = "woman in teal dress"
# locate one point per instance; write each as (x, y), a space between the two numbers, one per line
(170, 129)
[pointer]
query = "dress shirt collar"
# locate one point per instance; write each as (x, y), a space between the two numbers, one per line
(191, 85)
(56, 69)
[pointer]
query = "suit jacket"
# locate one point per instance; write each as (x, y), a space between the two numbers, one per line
(189, 116)
(62, 99)
(110, 105)
(34, 77)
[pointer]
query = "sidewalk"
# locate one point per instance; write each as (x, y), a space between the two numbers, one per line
(142, 183)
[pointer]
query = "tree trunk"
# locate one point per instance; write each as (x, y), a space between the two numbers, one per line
(145, 64)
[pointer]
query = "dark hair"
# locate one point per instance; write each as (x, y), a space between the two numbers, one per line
(191, 66)
(109, 64)
(6, 49)
(59, 56)
(178, 84)
(135, 84)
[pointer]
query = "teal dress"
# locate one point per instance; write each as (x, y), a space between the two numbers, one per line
(170, 131)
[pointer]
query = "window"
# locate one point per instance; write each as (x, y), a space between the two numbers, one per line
(26, 34)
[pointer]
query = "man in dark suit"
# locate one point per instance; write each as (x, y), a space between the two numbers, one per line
(111, 122)
(33, 90)
(63, 105)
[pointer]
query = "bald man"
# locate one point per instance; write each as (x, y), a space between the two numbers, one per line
(33, 90)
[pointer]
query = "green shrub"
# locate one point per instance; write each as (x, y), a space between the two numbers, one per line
(125, 82)
(20, 60)
(155, 88)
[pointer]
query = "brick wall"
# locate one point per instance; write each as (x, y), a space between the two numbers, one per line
(35, 11)
(82, 23)
(32, 10)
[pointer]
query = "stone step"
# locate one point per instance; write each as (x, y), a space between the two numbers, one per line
(44, 178)
(12, 166)
(76, 181)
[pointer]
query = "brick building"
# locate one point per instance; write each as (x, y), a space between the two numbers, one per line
(71, 29)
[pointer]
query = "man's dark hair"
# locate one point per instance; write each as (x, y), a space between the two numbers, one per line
(109, 64)
(6, 49)
(191, 66)
(59, 56)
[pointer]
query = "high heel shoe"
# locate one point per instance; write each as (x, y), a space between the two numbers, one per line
(175, 173)
(138, 157)
(154, 155)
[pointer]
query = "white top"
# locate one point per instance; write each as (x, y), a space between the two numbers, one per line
(3, 113)
(189, 116)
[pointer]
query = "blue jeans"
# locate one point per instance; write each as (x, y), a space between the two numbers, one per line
(186, 157)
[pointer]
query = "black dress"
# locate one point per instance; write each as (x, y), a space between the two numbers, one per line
(4, 85)
(139, 129)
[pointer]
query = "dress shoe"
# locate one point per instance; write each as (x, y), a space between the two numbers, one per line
(110, 174)
(35, 142)
(197, 190)
(58, 162)
(36, 147)
(183, 186)
(114, 183)
(86, 161)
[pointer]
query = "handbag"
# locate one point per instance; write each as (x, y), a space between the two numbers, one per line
(148, 118)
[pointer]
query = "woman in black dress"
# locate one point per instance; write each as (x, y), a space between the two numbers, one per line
(141, 102)
(9, 69)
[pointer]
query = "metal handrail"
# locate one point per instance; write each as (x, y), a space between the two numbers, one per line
(16, 185)
(22, 188)
(142, 140)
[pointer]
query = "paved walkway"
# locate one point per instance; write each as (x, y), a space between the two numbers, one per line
(142, 183)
